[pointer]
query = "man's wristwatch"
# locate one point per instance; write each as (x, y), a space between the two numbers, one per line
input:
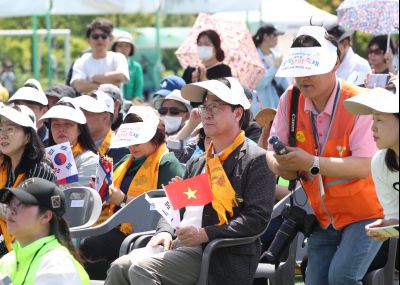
(123, 203)
(314, 170)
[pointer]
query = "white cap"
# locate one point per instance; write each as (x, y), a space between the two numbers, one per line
(30, 94)
(377, 99)
(174, 95)
(137, 133)
(102, 103)
(60, 111)
(308, 61)
(25, 117)
(235, 95)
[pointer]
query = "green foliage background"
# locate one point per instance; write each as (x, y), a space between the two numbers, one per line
(18, 49)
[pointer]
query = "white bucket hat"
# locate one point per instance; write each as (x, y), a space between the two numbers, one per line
(175, 95)
(102, 103)
(308, 61)
(32, 94)
(60, 111)
(25, 117)
(377, 99)
(137, 133)
(235, 95)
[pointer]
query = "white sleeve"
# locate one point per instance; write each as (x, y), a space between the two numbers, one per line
(121, 65)
(78, 71)
(57, 268)
(383, 180)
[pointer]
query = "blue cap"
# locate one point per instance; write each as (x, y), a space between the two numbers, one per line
(169, 84)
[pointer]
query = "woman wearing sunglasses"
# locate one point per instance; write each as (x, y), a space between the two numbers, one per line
(148, 167)
(43, 253)
(378, 57)
(23, 155)
(174, 111)
(68, 124)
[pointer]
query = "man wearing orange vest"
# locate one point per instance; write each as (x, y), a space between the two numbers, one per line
(333, 152)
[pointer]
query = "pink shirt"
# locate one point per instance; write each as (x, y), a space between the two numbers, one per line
(361, 140)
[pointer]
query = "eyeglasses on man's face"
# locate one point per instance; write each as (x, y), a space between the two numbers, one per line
(212, 108)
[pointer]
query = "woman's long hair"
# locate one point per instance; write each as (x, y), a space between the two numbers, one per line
(59, 228)
(391, 159)
(33, 151)
(216, 41)
(84, 137)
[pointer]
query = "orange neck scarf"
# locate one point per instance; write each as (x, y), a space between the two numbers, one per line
(223, 192)
(105, 144)
(145, 179)
(8, 239)
(77, 149)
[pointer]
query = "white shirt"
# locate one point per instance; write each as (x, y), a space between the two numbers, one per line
(57, 268)
(385, 183)
(353, 68)
(86, 66)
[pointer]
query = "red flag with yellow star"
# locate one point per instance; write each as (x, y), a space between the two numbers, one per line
(195, 191)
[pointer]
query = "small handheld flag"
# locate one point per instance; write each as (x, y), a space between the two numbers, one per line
(195, 191)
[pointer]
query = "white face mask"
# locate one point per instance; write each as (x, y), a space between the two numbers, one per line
(205, 52)
(172, 124)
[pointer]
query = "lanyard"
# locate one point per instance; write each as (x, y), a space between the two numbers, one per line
(317, 147)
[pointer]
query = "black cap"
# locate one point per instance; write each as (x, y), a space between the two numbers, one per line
(339, 33)
(37, 191)
(60, 91)
(270, 29)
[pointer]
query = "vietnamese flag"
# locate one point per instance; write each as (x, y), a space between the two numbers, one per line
(195, 191)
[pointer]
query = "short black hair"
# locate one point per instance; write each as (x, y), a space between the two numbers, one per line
(309, 41)
(381, 42)
(100, 23)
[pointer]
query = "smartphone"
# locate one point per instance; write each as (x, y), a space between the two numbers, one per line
(378, 80)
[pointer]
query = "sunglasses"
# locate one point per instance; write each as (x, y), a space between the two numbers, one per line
(172, 110)
(103, 36)
(376, 51)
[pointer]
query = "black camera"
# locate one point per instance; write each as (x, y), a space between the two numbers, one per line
(295, 220)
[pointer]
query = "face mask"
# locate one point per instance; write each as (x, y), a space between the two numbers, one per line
(205, 52)
(172, 124)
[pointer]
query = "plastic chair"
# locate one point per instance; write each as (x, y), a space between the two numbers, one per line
(384, 275)
(83, 207)
(284, 272)
(139, 240)
(137, 212)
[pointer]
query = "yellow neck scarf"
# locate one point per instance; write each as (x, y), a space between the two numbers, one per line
(145, 179)
(105, 144)
(8, 239)
(77, 150)
(223, 192)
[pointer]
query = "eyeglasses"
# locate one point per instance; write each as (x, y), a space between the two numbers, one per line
(376, 51)
(8, 130)
(213, 108)
(97, 36)
(172, 110)
(13, 207)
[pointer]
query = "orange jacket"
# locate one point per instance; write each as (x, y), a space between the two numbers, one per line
(345, 200)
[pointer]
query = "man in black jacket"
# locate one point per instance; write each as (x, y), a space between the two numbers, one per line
(242, 204)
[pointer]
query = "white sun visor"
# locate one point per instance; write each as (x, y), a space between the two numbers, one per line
(308, 61)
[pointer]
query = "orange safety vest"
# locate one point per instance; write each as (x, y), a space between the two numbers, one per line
(345, 200)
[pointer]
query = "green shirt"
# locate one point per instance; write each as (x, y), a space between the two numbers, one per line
(168, 169)
(134, 87)
(22, 264)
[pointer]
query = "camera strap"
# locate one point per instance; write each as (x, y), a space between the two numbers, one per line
(292, 133)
